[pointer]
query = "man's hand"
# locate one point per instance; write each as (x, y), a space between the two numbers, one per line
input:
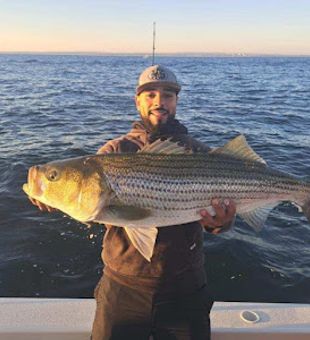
(41, 206)
(225, 211)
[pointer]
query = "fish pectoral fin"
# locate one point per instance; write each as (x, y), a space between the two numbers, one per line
(121, 215)
(257, 218)
(239, 148)
(143, 239)
(128, 212)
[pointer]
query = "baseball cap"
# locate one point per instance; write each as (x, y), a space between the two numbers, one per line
(157, 75)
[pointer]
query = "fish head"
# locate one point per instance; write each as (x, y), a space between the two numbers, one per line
(75, 186)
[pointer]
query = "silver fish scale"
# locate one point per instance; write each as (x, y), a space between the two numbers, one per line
(181, 182)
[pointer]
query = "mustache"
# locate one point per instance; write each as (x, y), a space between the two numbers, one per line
(160, 109)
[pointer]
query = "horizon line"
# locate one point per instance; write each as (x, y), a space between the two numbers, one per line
(149, 55)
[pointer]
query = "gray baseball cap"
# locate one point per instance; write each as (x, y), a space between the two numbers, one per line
(157, 75)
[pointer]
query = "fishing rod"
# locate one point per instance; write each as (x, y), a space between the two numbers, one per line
(154, 36)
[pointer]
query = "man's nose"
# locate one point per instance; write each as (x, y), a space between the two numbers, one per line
(158, 100)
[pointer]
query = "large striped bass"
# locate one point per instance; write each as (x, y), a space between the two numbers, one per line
(164, 185)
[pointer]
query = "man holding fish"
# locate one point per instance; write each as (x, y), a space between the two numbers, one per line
(167, 296)
(162, 292)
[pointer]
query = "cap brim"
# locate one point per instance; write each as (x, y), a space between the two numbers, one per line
(154, 84)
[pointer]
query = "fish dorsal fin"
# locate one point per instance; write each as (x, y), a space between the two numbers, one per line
(239, 148)
(143, 239)
(165, 147)
(256, 218)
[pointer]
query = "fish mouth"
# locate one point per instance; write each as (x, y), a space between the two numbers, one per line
(34, 186)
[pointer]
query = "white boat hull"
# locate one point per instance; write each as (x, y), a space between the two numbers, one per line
(71, 319)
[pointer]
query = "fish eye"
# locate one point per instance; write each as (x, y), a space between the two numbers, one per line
(52, 175)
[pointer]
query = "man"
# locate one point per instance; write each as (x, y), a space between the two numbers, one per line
(168, 297)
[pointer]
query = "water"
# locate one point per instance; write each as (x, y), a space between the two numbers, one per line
(54, 107)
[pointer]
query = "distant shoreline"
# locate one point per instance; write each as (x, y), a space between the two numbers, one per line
(148, 55)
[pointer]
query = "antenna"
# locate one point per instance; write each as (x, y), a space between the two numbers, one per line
(154, 36)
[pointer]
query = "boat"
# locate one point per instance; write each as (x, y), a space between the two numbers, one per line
(71, 319)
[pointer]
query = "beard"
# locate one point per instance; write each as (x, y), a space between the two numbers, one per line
(161, 128)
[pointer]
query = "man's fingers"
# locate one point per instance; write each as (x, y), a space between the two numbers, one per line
(41, 206)
(35, 202)
(225, 211)
(32, 200)
(230, 209)
(50, 209)
(219, 217)
(207, 219)
(220, 209)
(217, 231)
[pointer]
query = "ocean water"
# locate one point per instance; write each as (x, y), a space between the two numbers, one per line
(54, 107)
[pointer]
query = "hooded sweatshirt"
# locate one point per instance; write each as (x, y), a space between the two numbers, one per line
(177, 264)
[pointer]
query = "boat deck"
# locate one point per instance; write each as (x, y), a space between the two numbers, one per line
(68, 319)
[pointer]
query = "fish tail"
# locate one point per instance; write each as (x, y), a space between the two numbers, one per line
(306, 208)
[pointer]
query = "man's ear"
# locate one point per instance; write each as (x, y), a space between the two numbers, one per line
(137, 101)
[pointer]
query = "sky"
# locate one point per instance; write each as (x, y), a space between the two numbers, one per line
(120, 26)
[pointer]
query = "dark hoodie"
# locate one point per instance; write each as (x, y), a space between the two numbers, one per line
(177, 264)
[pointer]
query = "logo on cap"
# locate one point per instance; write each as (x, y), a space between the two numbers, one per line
(157, 75)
